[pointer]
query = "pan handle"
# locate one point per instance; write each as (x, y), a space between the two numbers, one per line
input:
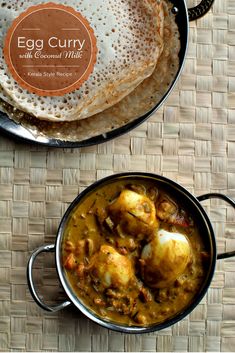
(200, 10)
(232, 203)
(45, 248)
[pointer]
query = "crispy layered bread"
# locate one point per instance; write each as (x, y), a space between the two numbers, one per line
(129, 40)
(134, 105)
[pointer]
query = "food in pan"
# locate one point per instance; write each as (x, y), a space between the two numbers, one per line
(141, 100)
(133, 254)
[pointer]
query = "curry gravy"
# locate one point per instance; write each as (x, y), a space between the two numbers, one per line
(102, 260)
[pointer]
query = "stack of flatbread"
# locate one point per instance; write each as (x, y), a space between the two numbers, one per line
(138, 45)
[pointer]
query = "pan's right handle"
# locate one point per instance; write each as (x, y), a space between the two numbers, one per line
(200, 10)
(54, 308)
(232, 203)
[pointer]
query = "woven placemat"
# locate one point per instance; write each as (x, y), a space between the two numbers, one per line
(191, 139)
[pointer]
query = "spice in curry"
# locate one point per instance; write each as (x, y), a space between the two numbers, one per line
(133, 254)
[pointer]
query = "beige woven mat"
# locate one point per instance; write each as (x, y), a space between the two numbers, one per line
(191, 139)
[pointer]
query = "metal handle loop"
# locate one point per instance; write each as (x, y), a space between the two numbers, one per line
(54, 308)
(200, 10)
(232, 203)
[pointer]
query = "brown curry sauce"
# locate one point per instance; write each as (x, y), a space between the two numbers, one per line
(90, 227)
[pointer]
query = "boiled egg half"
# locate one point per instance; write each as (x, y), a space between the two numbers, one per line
(111, 269)
(165, 258)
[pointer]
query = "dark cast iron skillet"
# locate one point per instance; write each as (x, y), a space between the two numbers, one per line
(187, 200)
(183, 16)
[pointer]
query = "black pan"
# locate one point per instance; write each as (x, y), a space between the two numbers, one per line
(183, 16)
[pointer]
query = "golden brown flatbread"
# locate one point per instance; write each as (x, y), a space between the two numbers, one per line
(136, 104)
(129, 42)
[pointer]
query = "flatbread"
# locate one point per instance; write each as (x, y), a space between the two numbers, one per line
(129, 42)
(136, 104)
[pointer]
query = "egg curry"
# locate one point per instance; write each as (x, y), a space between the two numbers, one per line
(132, 253)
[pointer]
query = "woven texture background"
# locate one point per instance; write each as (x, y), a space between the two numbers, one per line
(191, 139)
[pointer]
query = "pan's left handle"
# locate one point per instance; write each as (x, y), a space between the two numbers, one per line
(54, 308)
(200, 10)
(228, 200)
